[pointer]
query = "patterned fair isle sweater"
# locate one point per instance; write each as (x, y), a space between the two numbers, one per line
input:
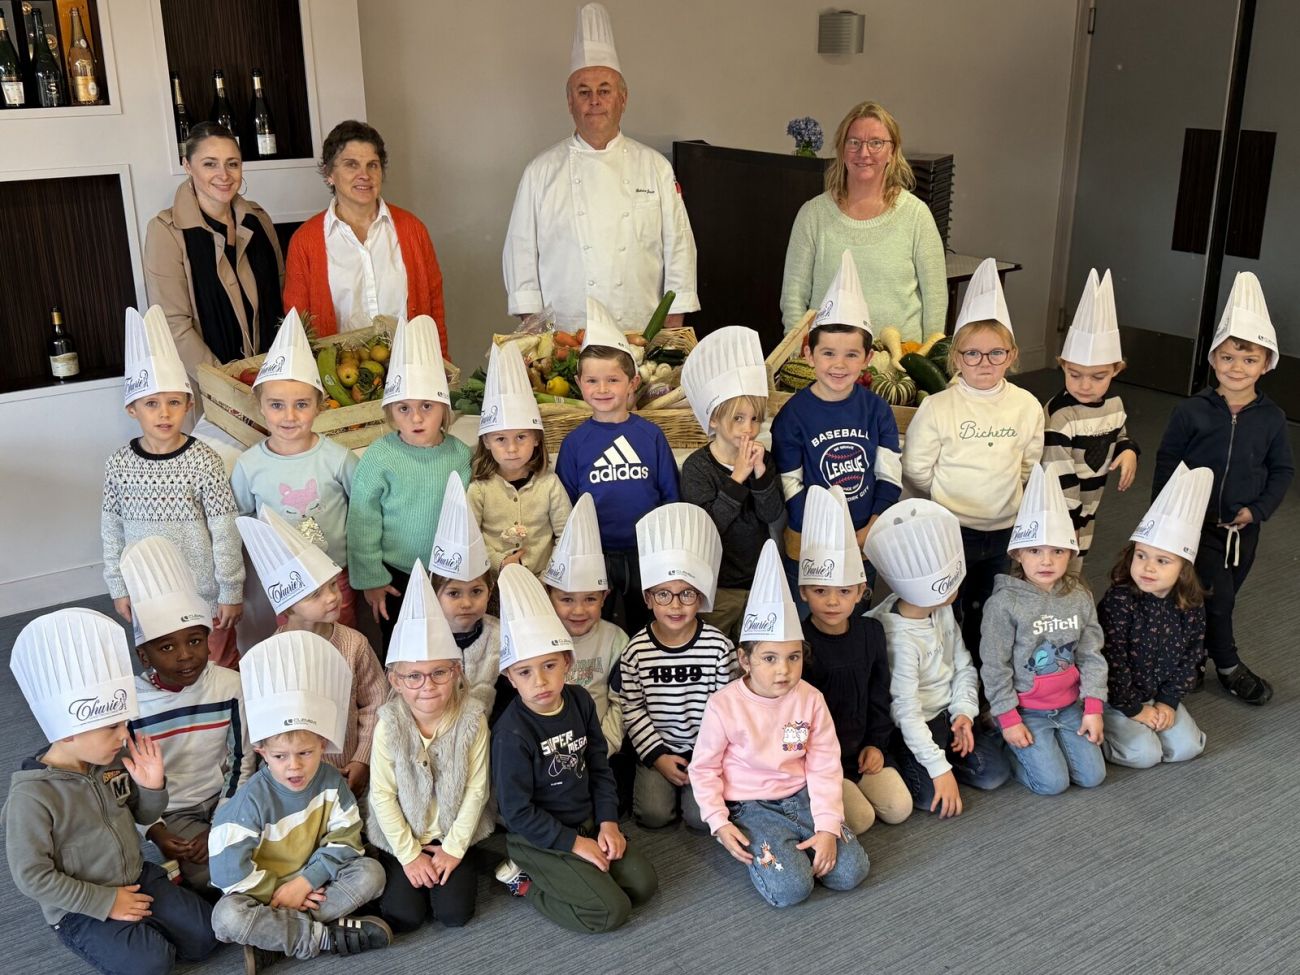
(1087, 437)
(1153, 649)
(184, 497)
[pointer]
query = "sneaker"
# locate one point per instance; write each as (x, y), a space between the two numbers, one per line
(362, 932)
(259, 959)
(514, 878)
(1246, 685)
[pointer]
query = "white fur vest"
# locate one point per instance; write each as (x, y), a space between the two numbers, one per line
(441, 771)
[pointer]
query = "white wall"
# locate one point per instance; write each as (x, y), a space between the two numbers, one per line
(465, 94)
(55, 441)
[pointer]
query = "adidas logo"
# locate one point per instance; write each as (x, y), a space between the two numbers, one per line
(619, 462)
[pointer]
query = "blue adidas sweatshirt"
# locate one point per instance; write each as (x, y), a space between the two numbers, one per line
(627, 468)
(852, 443)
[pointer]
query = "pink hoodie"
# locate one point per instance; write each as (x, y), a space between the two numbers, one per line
(753, 747)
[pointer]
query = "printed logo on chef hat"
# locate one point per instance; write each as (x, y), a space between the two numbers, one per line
(941, 587)
(393, 386)
(445, 560)
(278, 592)
(1025, 532)
(489, 415)
(766, 625)
(817, 570)
(273, 367)
(137, 384)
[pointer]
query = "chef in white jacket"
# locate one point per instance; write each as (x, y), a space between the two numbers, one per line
(599, 214)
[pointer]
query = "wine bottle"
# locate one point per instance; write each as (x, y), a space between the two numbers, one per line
(63, 353)
(263, 123)
(221, 112)
(12, 94)
(81, 65)
(180, 115)
(46, 73)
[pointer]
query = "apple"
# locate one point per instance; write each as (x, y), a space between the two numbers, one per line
(348, 374)
(248, 376)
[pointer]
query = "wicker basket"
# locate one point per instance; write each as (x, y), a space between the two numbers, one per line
(230, 404)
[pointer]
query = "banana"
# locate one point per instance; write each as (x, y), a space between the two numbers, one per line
(326, 364)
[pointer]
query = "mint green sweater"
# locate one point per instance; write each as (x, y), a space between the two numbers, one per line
(900, 264)
(396, 499)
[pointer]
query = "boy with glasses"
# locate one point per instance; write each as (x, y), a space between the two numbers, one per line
(670, 669)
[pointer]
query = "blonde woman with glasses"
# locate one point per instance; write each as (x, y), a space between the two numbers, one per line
(868, 211)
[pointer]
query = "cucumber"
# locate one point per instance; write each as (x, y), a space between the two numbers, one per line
(660, 315)
(924, 373)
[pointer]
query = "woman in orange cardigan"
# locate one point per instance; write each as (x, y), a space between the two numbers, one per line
(361, 257)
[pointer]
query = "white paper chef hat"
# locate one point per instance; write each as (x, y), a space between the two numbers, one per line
(1093, 338)
(458, 548)
(578, 561)
(74, 669)
(679, 542)
(415, 366)
(1246, 317)
(603, 330)
(421, 632)
(164, 594)
(290, 356)
(1173, 522)
(152, 362)
(727, 363)
(984, 300)
(593, 40)
(1044, 518)
(529, 626)
(770, 612)
(508, 401)
(843, 303)
(290, 567)
(296, 681)
(916, 547)
(829, 554)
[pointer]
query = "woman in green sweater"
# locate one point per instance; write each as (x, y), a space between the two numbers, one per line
(868, 211)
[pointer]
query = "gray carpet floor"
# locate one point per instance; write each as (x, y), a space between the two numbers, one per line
(1184, 869)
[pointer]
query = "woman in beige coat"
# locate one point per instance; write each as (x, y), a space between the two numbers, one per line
(212, 261)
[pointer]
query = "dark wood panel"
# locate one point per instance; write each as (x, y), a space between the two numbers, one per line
(62, 242)
(238, 36)
(1250, 193)
(1195, 190)
(1157, 360)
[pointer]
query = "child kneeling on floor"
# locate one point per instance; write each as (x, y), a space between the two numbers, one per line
(766, 768)
(551, 777)
(429, 771)
(70, 819)
(286, 849)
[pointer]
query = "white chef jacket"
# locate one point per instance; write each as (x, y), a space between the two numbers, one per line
(608, 223)
(365, 279)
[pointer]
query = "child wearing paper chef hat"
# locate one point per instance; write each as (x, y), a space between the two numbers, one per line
(286, 849)
(766, 767)
(934, 686)
(1153, 616)
(1085, 421)
(1042, 650)
(192, 707)
(167, 483)
(1241, 435)
(551, 777)
(399, 483)
(304, 477)
(71, 815)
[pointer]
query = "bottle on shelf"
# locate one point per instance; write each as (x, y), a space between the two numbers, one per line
(180, 115)
(221, 112)
(263, 123)
(81, 65)
(47, 76)
(63, 352)
(12, 94)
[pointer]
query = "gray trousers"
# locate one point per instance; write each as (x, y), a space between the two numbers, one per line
(654, 801)
(243, 920)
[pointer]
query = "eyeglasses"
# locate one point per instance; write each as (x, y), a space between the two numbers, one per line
(995, 356)
(415, 680)
(872, 146)
(664, 597)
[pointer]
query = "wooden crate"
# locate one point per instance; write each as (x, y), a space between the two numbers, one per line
(231, 405)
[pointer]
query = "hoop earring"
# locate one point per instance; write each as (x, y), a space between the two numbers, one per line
(243, 186)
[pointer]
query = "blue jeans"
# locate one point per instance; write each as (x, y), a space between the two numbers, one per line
(782, 873)
(1059, 755)
(1132, 743)
(985, 767)
(180, 927)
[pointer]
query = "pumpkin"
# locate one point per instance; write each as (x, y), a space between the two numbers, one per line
(896, 389)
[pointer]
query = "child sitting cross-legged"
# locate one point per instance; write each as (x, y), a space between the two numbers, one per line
(766, 770)
(286, 849)
(551, 777)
